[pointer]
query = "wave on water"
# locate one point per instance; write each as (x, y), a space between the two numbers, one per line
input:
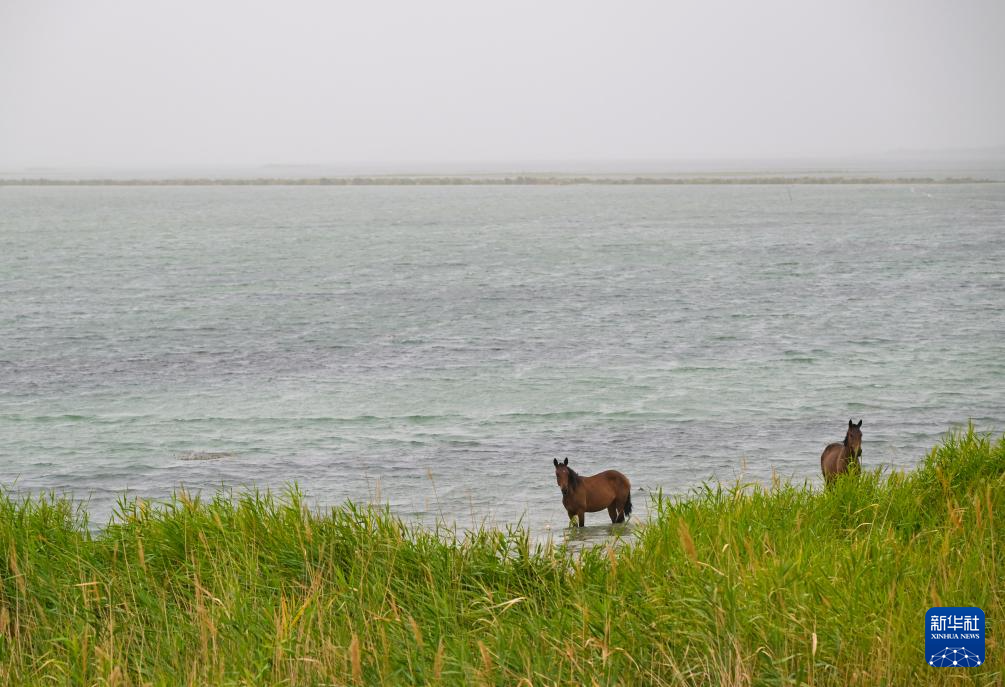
(110, 419)
(406, 419)
(206, 455)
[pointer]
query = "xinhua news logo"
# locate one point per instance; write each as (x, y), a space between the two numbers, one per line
(954, 636)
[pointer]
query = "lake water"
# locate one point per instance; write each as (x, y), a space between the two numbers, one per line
(435, 348)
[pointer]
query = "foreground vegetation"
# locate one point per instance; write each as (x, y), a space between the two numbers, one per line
(735, 586)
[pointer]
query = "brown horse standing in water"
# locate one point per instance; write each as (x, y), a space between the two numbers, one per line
(836, 458)
(581, 495)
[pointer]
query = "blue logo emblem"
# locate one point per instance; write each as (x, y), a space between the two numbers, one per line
(954, 636)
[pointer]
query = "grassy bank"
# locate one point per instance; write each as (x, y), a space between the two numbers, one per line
(785, 585)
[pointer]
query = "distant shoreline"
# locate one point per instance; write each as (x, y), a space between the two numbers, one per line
(509, 180)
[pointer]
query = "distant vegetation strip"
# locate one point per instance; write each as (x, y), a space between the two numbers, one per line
(744, 585)
(520, 180)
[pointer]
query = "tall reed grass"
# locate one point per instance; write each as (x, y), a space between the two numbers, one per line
(745, 585)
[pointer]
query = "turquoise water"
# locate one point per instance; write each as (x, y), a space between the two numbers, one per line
(434, 348)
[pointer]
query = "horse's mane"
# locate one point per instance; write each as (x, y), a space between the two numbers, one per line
(574, 479)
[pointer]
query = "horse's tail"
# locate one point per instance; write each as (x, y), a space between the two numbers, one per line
(628, 505)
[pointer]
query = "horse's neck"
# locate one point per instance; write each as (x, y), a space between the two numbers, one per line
(574, 481)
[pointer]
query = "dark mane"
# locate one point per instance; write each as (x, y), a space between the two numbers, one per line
(574, 479)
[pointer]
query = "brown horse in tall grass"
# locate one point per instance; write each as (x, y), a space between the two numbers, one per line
(838, 458)
(581, 495)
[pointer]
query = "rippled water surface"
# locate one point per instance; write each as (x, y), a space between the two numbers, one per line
(436, 347)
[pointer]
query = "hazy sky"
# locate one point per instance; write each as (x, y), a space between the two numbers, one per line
(101, 83)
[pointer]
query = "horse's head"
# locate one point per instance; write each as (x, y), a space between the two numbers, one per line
(853, 439)
(562, 473)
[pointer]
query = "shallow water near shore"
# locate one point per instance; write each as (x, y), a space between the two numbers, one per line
(435, 348)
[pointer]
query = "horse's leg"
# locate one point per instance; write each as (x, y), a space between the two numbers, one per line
(582, 518)
(612, 510)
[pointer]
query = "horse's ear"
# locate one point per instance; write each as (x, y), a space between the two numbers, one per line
(859, 424)
(555, 461)
(850, 423)
(565, 462)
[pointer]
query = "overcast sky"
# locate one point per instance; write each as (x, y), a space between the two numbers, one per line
(149, 83)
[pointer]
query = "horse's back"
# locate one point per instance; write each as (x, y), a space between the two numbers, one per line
(615, 478)
(836, 448)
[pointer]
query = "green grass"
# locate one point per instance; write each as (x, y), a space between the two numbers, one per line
(736, 586)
